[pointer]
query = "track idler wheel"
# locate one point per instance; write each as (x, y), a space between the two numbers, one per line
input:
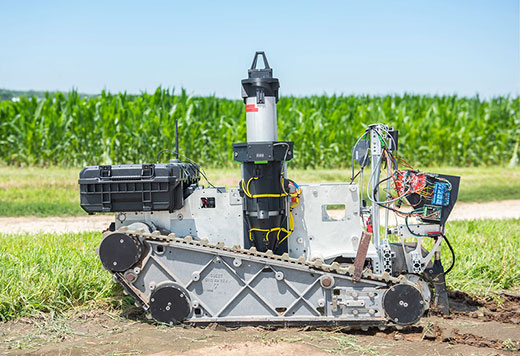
(118, 252)
(403, 304)
(169, 304)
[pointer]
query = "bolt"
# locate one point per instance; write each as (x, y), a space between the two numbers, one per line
(326, 281)
(130, 277)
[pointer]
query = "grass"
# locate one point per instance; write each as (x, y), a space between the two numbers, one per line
(54, 273)
(55, 192)
(49, 272)
(39, 192)
(486, 255)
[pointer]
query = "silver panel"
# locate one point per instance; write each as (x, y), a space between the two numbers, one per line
(223, 287)
(220, 224)
(317, 234)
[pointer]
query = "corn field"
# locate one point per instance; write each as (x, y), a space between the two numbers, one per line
(69, 130)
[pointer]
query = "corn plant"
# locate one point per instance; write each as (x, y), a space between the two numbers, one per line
(69, 130)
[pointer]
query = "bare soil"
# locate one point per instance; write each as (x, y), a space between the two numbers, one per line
(474, 328)
(462, 211)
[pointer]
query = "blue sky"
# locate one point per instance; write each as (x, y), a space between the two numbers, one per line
(315, 47)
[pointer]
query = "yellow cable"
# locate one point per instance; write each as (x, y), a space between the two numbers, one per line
(248, 193)
(268, 231)
(291, 217)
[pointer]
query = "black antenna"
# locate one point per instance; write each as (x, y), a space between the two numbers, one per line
(176, 138)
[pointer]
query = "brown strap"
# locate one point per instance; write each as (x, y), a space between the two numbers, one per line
(361, 255)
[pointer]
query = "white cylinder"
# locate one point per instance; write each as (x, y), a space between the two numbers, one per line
(261, 120)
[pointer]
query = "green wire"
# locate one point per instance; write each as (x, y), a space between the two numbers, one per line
(408, 226)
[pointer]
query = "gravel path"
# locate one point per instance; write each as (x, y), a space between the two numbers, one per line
(463, 211)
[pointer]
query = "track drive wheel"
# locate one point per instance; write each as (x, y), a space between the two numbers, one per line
(118, 252)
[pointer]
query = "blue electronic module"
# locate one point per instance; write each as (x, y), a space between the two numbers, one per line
(441, 194)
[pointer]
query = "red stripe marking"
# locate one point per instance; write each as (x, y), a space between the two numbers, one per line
(251, 108)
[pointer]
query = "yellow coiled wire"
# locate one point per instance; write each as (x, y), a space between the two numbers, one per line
(296, 195)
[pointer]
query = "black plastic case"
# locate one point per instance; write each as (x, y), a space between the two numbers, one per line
(136, 187)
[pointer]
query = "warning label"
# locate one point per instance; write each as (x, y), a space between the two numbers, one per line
(251, 108)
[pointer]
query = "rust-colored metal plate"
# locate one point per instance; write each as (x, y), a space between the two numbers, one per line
(361, 255)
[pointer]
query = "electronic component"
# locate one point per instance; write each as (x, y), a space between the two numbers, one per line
(408, 182)
(360, 153)
(393, 141)
(441, 194)
(432, 212)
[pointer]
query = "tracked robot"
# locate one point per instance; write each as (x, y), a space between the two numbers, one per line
(272, 251)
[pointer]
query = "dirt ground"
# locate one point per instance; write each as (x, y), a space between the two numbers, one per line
(473, 328)
(462, 211)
